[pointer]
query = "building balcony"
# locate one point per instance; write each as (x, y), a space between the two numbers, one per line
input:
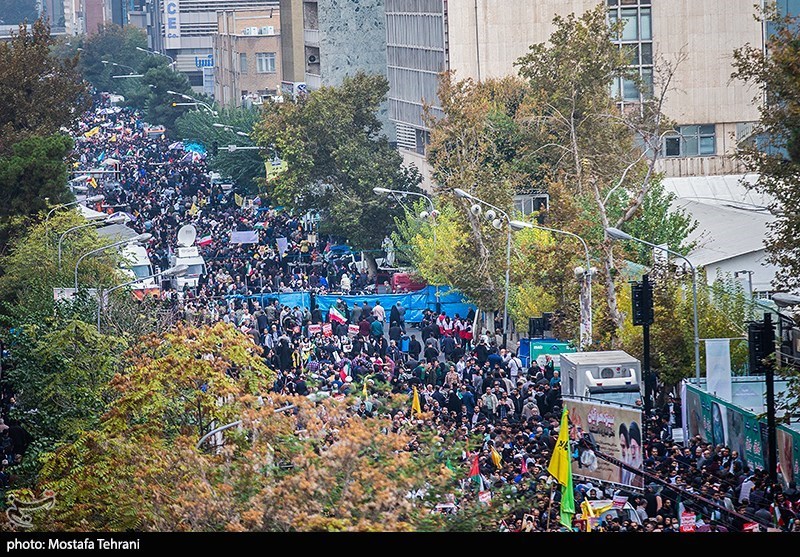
(311, 37)
(313, 81)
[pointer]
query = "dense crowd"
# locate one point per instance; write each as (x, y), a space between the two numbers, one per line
(469, 385)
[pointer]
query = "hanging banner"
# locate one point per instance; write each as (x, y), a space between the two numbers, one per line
(172, 24)
(617, 432)
(718, 367)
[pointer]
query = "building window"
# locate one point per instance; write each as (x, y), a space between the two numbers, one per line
(242, 62)
(266, 62)
(636, 39)
(692, 141)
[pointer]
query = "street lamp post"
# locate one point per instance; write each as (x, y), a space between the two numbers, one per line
(139, 238)
(92, 199)
(586, 328)
(156, 53)
(176, 271)
(198, 101)
(233, 130)
(617, 234)
(423, 215)
(497, 224)
(113, 219)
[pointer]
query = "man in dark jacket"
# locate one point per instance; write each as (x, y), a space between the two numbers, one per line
(414, 348)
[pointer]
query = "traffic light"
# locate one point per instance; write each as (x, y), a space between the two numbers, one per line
(760, 344)
(642, 303)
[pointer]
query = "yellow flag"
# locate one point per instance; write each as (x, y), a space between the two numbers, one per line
(193, 209)
(415, 407)
(496, 458)
(560, 462)
(238, 199)
(113, 137)
(92, 132)
(364, 390)
(92, 182)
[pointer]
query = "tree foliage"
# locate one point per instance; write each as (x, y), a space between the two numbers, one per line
(32, 172)
(556, 129)
(774, 149)
(41, 93)
(331, 141)
(113, 44)
(245, 167)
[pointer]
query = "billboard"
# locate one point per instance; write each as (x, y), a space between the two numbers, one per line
(721, 423)
(617, 431)
(172, 24)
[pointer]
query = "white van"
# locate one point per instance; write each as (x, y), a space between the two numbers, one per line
(138, 266)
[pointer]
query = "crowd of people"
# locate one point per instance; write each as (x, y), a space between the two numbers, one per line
(469, 385)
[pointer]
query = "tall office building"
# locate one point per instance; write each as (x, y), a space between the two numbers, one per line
(185, 30)
(338, 40)
(482, 39)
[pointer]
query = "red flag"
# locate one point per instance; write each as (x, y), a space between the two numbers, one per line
(474, 470)
(524, 468)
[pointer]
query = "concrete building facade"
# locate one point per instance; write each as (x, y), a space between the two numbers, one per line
(247, 51)
(482, 39)
(339, 39)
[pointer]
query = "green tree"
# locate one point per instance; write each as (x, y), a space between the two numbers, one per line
(41, 93)
(335, 154)
(477, 147)
(113, 44)
(32, 176)
(33, 171)
(158, 102)
(773, 152)
(30, 268)
(246, 166)
(589, 144)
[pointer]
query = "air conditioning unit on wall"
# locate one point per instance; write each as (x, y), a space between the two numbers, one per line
(267, 30)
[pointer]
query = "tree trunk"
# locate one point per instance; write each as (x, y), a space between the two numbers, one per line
(611, 293)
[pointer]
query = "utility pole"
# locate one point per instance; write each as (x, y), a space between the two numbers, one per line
(768, 348)
(642, 305)
(761, 347)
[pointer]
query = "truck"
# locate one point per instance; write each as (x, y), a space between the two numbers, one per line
(608, 375)
(138, 266)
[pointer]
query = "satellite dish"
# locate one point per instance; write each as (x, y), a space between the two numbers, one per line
(186, 235)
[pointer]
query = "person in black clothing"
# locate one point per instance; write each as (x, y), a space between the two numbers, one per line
(395, 332)
(482, 353)
(431, 354)
(414, 348)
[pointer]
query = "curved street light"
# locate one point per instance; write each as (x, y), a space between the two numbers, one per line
(113, 219)
(140, 238)
(198, 101)
(497, 223)
(617, 234)
(585, 332)
(92, 199)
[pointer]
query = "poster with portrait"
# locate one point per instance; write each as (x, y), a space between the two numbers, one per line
(786, 468)
(617, 431)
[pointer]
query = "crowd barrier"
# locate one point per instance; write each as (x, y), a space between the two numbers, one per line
(415, 303)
